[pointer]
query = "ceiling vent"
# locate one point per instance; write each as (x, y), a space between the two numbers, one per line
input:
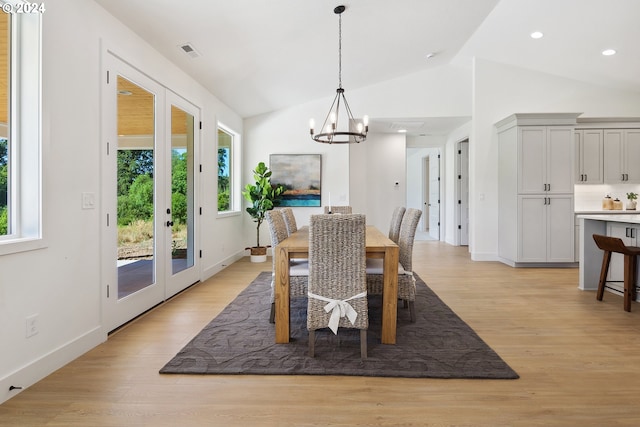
(189, 50)
(411, 125)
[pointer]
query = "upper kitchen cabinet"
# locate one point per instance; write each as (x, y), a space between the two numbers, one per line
(539, 151)
(622, 156)
(589, 153)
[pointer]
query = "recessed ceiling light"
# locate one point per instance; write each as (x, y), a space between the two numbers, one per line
(402, 131)
(430, 55)
(608, 52)
(536, 35)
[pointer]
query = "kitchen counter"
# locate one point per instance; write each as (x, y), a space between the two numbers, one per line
(606, 212)
(590, 255)
(628, 218)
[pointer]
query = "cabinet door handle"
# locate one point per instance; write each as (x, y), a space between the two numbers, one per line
(585, 177)
(626, 231)
(633, 234)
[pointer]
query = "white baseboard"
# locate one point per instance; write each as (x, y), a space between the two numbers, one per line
(484, 256)
(216, 268)
(38, 369)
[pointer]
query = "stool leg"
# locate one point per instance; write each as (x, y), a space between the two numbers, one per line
(606, 258)
(629, 281)
(634, 277)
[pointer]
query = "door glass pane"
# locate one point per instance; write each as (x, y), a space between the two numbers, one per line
(181, 190)
(136, 189)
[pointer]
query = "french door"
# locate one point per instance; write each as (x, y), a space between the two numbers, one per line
(149, 228)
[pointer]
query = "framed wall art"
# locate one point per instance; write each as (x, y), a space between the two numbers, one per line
(300, 176)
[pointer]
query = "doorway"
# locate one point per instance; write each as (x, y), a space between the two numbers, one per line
(148, 193)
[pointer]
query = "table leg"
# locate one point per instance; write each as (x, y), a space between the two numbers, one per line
(281, 293)
(390, 295)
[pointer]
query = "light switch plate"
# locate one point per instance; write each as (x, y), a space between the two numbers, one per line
(88, 200)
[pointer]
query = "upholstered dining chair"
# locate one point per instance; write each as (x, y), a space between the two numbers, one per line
(345, 210)
(406, 281)
(298, 271)
(396, 221)
(289, 220)
(337, 278)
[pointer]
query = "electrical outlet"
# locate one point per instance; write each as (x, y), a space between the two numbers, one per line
(32, 325)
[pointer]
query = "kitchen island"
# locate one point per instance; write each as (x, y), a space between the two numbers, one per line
(624, 226)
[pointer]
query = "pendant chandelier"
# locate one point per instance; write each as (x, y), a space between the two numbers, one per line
(330, 133)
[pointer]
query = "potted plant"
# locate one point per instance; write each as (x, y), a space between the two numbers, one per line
(632, 201)
(263, 197)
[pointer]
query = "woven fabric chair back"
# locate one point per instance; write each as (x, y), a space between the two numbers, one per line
(396, 222)
(407, 236)
(337, 267)
(277, 229)
(289, 220)
(345, 210)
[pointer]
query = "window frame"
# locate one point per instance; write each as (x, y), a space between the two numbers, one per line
(25, 130)
(234, 170)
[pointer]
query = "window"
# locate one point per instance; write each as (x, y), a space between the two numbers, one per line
(5, 65)
(228, 190)
(20, 149)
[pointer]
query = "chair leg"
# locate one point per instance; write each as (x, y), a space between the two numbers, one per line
(312, 342)
(412, 311)
(603, 274)
(272, 315)
(363, 343)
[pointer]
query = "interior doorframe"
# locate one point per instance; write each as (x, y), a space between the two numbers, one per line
(459, 174)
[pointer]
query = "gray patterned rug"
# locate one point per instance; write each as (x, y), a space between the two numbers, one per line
(240, 340)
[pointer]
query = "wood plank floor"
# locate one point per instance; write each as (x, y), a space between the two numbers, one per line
(579, 362)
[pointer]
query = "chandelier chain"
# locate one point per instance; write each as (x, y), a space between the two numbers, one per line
(340, 50)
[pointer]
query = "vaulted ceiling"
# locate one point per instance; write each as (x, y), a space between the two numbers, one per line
(259, 56)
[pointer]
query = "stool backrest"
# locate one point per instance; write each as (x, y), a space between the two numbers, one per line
(613, 244)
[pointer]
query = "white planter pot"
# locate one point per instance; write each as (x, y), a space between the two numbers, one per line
(258, 258)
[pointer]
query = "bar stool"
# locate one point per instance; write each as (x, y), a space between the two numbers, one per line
(615, 244)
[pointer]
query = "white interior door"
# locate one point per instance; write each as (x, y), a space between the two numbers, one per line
(434, 196)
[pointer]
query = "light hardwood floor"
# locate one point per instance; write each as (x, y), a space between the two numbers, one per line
(578, 361)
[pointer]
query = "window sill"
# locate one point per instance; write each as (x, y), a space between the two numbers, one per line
(228, 214)
(14, 246)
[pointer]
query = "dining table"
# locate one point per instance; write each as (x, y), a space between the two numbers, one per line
(296, 246)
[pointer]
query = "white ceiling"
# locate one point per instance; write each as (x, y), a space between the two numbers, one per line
(259, 56)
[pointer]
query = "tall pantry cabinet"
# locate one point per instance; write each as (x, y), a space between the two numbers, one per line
(536, 178)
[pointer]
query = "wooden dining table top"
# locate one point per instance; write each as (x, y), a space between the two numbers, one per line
(298, 242)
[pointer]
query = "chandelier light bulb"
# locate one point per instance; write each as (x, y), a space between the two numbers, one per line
(312, 124)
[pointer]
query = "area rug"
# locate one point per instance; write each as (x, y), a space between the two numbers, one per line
(240, 340)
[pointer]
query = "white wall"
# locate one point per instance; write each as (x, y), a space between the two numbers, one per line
(61, 283)
(358, 175)
(379, 163)
(501, 90)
